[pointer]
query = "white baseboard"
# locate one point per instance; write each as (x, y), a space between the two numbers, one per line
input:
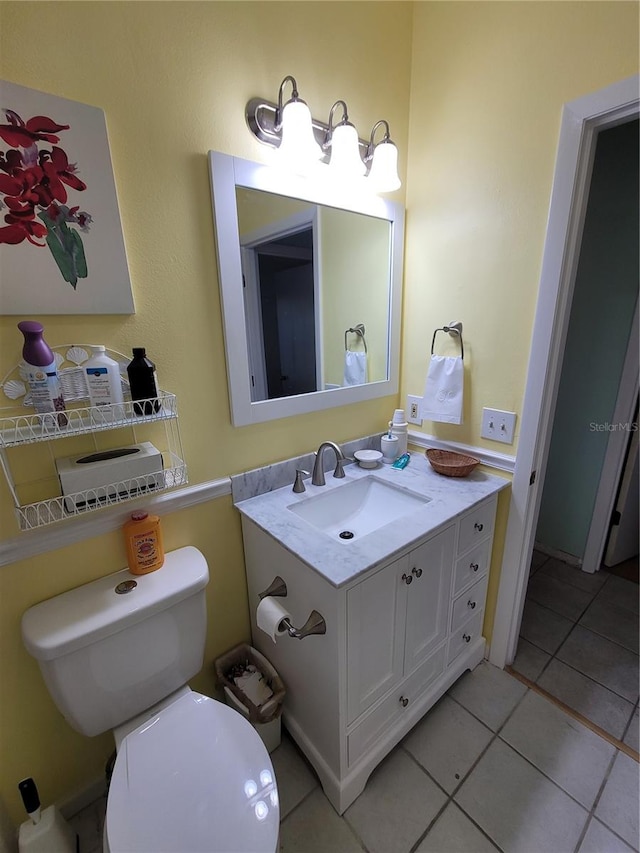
(570, 559)
(80, 799)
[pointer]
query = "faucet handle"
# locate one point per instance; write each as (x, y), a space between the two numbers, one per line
(340, 463)
(298, 485)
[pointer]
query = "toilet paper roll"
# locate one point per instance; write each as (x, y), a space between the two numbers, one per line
(269, 616)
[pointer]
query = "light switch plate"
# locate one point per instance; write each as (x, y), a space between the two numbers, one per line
(498, 425)
(413, 409)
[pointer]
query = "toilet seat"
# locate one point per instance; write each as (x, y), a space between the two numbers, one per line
(194, 777)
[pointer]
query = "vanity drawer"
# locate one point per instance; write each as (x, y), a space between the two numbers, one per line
(469, 603)
(472, 566)
(465, 636)
(376, 724)
(476, 525)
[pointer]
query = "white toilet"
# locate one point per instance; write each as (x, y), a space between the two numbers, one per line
(190, 774)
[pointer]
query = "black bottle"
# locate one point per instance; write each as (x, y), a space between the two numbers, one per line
(143, 383)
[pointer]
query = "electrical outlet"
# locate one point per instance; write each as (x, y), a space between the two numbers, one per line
(413, 410)
(498, 425)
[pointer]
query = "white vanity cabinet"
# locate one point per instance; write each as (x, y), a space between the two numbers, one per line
(398, 636)
(396, 617)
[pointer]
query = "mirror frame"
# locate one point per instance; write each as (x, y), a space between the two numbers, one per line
(226, 172)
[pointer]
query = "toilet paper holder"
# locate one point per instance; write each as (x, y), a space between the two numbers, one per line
(277, 588)
(315, 624)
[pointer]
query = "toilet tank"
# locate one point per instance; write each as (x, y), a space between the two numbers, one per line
(106, 655)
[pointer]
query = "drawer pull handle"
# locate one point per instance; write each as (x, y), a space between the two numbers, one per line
(404, 701)
(466, 638)
(417, 572)
(474, 567)
(407, 578)
(471, 605)
(478, 527)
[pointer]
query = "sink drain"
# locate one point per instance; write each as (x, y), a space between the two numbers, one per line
(346, 534)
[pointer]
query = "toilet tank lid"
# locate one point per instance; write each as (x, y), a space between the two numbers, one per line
(93, 611)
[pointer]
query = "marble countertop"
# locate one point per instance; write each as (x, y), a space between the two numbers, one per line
(340, 561)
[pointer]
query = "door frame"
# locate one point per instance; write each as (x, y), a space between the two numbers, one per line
(249, 243)
(582, 120)
(613, 462)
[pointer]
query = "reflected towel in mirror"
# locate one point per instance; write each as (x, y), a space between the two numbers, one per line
(355, 368)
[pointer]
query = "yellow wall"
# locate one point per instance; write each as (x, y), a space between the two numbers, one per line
(487, 84)
(487, 87)
(355, 290)
(173, 79)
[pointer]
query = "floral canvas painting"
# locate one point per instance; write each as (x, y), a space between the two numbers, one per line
(61, 244)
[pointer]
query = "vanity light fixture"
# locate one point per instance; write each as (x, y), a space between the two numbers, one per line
(383, 157)
(301, 140)
(343, 144)
(293, 122)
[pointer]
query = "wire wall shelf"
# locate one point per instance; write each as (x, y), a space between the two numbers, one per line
(19, 429)
(41, 513)
(31, 428)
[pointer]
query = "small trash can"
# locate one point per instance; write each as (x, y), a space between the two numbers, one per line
(254, 689)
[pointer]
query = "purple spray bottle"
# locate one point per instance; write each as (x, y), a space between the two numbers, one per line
(42, 372)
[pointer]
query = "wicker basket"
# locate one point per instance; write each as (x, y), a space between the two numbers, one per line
(451, 464)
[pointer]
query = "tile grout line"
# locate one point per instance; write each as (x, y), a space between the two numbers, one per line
(594, 727)
(494, 737)
(554, 656)
(592, 812)
(575, 585)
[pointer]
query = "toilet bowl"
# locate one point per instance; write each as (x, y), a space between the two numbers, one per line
(191, 775)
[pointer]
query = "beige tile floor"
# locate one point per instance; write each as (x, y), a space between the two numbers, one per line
(579, 641)
(493, 766)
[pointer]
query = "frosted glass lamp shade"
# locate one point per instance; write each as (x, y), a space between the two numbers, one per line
(345, 152)
(383, 174)
(298, 146)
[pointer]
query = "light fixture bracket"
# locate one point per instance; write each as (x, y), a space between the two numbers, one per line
(261, 116)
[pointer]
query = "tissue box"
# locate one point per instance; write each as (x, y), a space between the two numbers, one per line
(89, 479)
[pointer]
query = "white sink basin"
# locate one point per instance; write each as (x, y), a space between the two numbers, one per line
(352, 510)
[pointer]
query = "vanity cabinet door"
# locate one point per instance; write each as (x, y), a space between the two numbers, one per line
(396, 618)
(428, 594)
(375, 636)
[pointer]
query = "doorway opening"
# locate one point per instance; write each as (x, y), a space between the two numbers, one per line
(282, 311)
(582, 120)
(570, 646)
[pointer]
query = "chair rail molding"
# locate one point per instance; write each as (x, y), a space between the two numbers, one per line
(51, 538)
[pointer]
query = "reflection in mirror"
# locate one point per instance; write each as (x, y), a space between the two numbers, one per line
(312, 273)
(302, 264)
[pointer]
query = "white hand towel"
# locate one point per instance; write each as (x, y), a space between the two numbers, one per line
(443, 390)
(355, 368)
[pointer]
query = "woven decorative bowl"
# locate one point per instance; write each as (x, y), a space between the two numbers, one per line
(451, 464)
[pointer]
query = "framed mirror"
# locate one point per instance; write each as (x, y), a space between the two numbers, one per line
(310, 278)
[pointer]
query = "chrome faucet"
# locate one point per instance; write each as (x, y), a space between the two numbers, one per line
(317, 478)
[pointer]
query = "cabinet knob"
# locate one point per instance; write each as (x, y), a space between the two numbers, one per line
(466, 638)
(471, 605)
(404, 701)
(474, 567)
(416, 572)
(407, 578)
(478, 527)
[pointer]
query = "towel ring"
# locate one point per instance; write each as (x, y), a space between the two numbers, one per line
(453, 330)
(357, 330)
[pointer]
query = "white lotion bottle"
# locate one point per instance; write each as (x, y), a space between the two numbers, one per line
(400, 428)
(103, 381)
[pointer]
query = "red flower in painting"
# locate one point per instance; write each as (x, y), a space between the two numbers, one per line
(20, 134)
(34, 181)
